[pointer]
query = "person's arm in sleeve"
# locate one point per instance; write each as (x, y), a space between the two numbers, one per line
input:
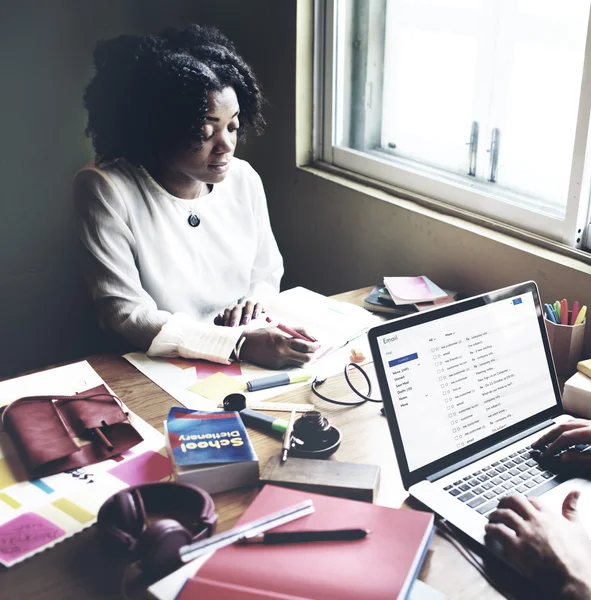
(109, 265)
(268, 266)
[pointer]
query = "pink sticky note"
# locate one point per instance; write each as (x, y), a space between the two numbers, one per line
(145, 468)
(26, 533)
(183, 363)
(205, 369)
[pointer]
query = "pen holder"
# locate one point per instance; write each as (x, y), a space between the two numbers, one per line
(566, 343)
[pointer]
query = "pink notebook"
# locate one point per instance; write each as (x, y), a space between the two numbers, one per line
(383, 565)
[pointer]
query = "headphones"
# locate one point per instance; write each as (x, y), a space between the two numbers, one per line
(132, 521)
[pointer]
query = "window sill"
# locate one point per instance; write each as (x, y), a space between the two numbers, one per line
(508, 235)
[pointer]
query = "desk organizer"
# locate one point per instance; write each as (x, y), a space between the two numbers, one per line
(566, 343)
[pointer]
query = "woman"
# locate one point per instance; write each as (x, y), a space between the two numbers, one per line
(175, 230)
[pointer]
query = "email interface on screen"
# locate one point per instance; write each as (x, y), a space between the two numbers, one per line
(461, 378)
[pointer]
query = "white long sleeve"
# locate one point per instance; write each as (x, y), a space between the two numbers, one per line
(159, 282)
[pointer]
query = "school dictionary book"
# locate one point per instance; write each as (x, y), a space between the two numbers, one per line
(210, 449)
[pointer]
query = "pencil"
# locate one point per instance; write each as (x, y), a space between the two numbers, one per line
(292, 332)
(287, 437)
(103, 438)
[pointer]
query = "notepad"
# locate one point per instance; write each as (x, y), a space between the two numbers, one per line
(382, 565)
(217, 387)
(410, 290)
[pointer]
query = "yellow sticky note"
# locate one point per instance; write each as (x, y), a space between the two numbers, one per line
(73, 510)
(217, 387)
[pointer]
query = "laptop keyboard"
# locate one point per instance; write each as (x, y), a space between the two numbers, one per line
(517, 473)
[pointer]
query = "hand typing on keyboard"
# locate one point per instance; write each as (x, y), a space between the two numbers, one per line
(567, 445)
(552, 549)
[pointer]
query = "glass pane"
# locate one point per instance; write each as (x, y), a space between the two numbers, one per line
(536, 95)
(429, 91)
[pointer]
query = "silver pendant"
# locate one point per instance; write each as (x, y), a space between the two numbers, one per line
(193, 220)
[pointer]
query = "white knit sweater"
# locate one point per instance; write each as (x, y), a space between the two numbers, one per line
(159, 282)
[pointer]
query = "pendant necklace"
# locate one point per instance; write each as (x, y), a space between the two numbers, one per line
(193, 219)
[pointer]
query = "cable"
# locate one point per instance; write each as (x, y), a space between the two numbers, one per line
(364, 397)
(448, 534)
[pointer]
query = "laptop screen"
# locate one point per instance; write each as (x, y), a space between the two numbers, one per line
(462, 374)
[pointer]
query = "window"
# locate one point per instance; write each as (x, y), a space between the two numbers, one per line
(481, 104)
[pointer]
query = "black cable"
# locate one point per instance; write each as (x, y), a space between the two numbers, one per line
(364, 397)
(448, 533)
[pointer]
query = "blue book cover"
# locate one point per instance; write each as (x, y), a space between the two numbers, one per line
(199, 438)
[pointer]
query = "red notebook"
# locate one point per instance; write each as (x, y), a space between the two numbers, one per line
(382, 565)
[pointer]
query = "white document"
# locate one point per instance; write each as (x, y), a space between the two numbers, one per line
(331, 322)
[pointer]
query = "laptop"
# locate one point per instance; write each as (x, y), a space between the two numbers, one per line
(467, 388)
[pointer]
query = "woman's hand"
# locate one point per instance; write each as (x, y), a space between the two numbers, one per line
(240, 314)
(553, 550)
(270, 348)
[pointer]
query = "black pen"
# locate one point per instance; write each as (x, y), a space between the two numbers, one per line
(291, 537)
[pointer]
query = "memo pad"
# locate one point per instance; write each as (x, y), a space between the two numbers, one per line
(217, 387)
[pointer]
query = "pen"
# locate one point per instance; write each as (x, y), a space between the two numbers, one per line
(264, 383)
(287, 437)
(550, 313)
(564, 312)
(575, 313)
(292, 332)
(289, 537)
(557, 311)
(581, 315)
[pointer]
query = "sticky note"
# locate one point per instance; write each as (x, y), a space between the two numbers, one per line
(217, 387)
(24, 534)
(73, 510)
(145, 468)
(205, 369)
(182, 363)
(42, 486)
(9, 500)
(7, 477)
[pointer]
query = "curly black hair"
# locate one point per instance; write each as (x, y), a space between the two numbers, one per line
(149, 92)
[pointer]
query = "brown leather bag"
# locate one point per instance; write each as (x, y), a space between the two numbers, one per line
(43, 430)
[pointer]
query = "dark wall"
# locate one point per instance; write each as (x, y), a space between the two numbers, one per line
(45, 63)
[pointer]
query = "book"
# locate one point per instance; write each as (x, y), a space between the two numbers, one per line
(210, 449)
(576, 396)
(383, 565)
(379, 300)
(410, 290)
(170, 586)
(330, 477)
(584, 366)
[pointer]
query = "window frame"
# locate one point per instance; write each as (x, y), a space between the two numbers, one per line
(471, 197)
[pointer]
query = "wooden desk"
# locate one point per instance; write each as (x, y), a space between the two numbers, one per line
(79, 568)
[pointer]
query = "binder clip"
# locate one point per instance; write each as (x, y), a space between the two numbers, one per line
(314, 437)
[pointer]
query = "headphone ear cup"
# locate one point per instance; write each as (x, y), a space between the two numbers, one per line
(159, 544)
(129, 509)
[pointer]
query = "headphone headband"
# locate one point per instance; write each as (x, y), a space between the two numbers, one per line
(139, 519)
